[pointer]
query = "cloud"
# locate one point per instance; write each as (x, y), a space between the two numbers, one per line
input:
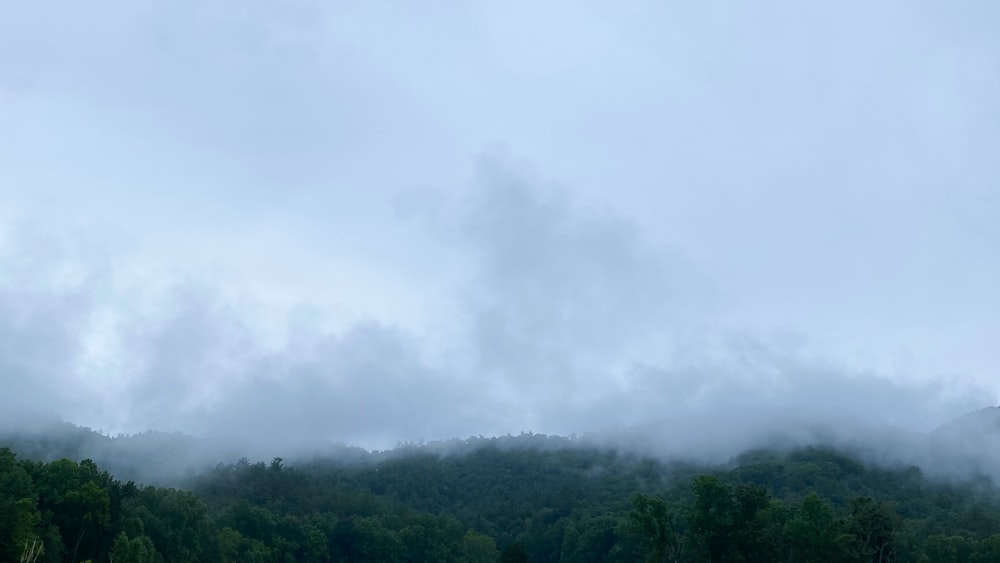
(367, 385)
(570, 320)
(563, 291)
(758, 218)
(47, 298)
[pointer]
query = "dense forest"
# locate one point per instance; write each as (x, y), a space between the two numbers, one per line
(525, 498)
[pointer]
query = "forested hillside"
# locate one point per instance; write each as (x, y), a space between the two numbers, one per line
(151, 457)
(528, 498)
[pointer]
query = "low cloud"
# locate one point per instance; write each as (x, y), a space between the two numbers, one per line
(572, 321)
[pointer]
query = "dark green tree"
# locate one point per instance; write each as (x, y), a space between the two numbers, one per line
(872, 529)
(812, 533)
(136, 550)
(659, 528)
(19, 516)
(478, 548)
(514, 553)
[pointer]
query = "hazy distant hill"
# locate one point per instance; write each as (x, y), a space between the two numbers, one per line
(518, 498)
(983, 422)
(156, 457)
(965, 447)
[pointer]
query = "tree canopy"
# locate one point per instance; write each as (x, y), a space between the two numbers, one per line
(492, 501)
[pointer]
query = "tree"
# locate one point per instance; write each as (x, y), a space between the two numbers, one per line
(514, 553)
(375, 542)
(228, 544)
(89, 505)
(478, 548)
(658, 527)
(19, 514)
(136, 550)
(989, 550)
(712, 520)
(872, 531)
(727, 525)
(812, 532)
(750, 522)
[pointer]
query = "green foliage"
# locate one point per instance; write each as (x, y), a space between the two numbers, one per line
(727, 523)
(813, 531)
(478, 548)
(528, 499)
(658, 527)
(137, 550)
(19, 516)
(514, 553)
(872, 529)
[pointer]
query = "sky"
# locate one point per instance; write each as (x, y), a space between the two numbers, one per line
(375, 222)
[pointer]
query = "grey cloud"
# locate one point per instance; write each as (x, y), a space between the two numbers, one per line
(367, 385)
(581, 323)
(178, 357)
(562, 288)
(199, 365)
(46, 302)
(573, 322)
(822, 169)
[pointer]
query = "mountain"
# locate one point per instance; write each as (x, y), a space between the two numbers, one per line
(518, 498)
(152, 457)
(966, 447)
(982, 422)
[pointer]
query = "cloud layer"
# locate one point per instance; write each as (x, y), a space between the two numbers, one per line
(300, 224)
(570, 321)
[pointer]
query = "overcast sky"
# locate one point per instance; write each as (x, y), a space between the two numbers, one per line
(383, 221)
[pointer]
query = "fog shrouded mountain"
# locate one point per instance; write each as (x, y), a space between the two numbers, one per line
(516, 498)
(962, 450)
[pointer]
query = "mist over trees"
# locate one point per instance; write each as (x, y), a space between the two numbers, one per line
(525, 498)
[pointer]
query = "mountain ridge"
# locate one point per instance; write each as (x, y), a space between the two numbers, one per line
(960, 447)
